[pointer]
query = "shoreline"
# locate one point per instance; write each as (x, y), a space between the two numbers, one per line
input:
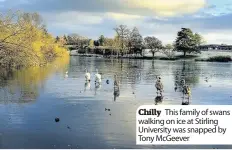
(176, 58)
(127, 57)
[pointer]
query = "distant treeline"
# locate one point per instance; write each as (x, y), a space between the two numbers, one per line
(128, 41)
(24, 41)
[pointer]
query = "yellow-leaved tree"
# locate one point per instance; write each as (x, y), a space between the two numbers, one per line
(24, 41)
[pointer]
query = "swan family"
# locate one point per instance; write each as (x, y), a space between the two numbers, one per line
(98, 77)
(159, 85)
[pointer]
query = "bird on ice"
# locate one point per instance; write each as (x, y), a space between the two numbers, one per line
(87, 75)
(97, 77)
(159, 85)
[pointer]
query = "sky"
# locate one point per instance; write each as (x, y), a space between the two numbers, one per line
(159, 18)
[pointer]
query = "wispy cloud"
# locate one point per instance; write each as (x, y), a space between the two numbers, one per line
(73, 17)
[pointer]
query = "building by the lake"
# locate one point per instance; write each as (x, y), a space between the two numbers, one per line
(215, 47)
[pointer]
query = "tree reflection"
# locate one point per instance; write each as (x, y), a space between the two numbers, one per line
(97, 88)
(158, 100)
(116, 93)
(189, 73)
(23, 86)
(152, 72)
(87, 86)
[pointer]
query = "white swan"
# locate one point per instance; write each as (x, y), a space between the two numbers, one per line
(66, 74)
(87, 75)
(97, 77)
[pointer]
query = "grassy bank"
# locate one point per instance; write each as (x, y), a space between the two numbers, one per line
(216, 59)
(25, 42)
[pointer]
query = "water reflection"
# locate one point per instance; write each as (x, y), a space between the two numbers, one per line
(97, 88)
(84, 112)
(158, 100)
(185, 101)
(87, 85)
(25, 85)
(188, 73)
(116, 92)
(66, 74)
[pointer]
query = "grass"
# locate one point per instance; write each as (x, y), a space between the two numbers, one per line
(186, 57)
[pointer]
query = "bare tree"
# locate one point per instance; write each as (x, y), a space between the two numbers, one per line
(122, 32)
(80, 41)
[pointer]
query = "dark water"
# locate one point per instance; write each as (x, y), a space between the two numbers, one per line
(31, 99)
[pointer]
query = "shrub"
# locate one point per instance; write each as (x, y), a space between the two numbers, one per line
(167, 58)
(219, 59)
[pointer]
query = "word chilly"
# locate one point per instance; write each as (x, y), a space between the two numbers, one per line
(150, 112)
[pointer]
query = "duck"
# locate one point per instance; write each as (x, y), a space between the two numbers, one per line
(87, 75)
(97, 77)
(107, 81)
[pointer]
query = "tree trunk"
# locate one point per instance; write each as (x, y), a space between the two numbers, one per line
(153, 54)
(184, 53)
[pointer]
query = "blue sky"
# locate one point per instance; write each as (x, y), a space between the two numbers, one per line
(160, 18)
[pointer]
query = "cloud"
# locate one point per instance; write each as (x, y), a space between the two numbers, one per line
(121, 16)
(73, 17)
(218, 36)
(169, 7)
(133, 7)
(161, 18)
